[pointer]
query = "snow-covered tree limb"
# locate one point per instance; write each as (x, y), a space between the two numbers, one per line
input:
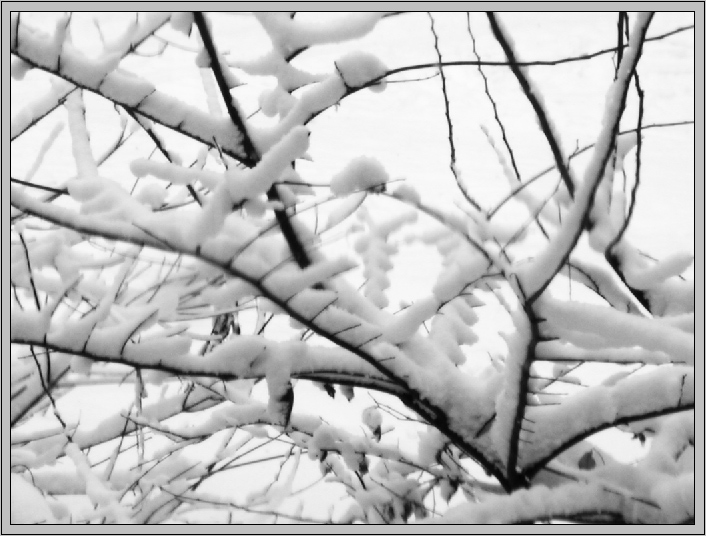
(540, 272)
(233, 316)
(126, 89)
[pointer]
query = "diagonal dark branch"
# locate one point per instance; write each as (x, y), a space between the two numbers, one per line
(44, 111)
(17, 414)
(56, 191)
(251, 154)
(576, 153)
(160, 146)
(539, 110)
(62, 93)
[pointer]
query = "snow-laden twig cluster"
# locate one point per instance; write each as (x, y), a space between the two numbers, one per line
(199, 292)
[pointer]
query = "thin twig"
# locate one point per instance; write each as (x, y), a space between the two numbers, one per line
(492, 102)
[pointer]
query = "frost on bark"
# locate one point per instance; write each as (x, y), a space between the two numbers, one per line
(205, 324)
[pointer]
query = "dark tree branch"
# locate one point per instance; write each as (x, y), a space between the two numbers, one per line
(160, 146)
(535, 63)
(576, 153)
(529, 92)
(611, 129)
(252, 156)
(29, 273)
(610, 254)
(62, 97)
(622, 23)
(411, 397)
(449, 123)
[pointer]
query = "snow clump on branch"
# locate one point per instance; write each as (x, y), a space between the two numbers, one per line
(359, 68)
(361, 173)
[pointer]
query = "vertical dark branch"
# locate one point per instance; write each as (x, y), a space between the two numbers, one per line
(622, 32)
(638, 130)
(610, 255)
(622, 29)
(622, 22)
(515, 478)
(17, 30)
(534, 101)
(638, 148)
(447, 108)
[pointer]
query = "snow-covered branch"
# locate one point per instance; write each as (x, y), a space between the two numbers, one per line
(537, 275)
(262, 303)
(102, 76)
(665, 390)
(586, 502)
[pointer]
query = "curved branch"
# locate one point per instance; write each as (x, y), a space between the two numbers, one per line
(126, 232)
(532, 470)
(667, 389)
